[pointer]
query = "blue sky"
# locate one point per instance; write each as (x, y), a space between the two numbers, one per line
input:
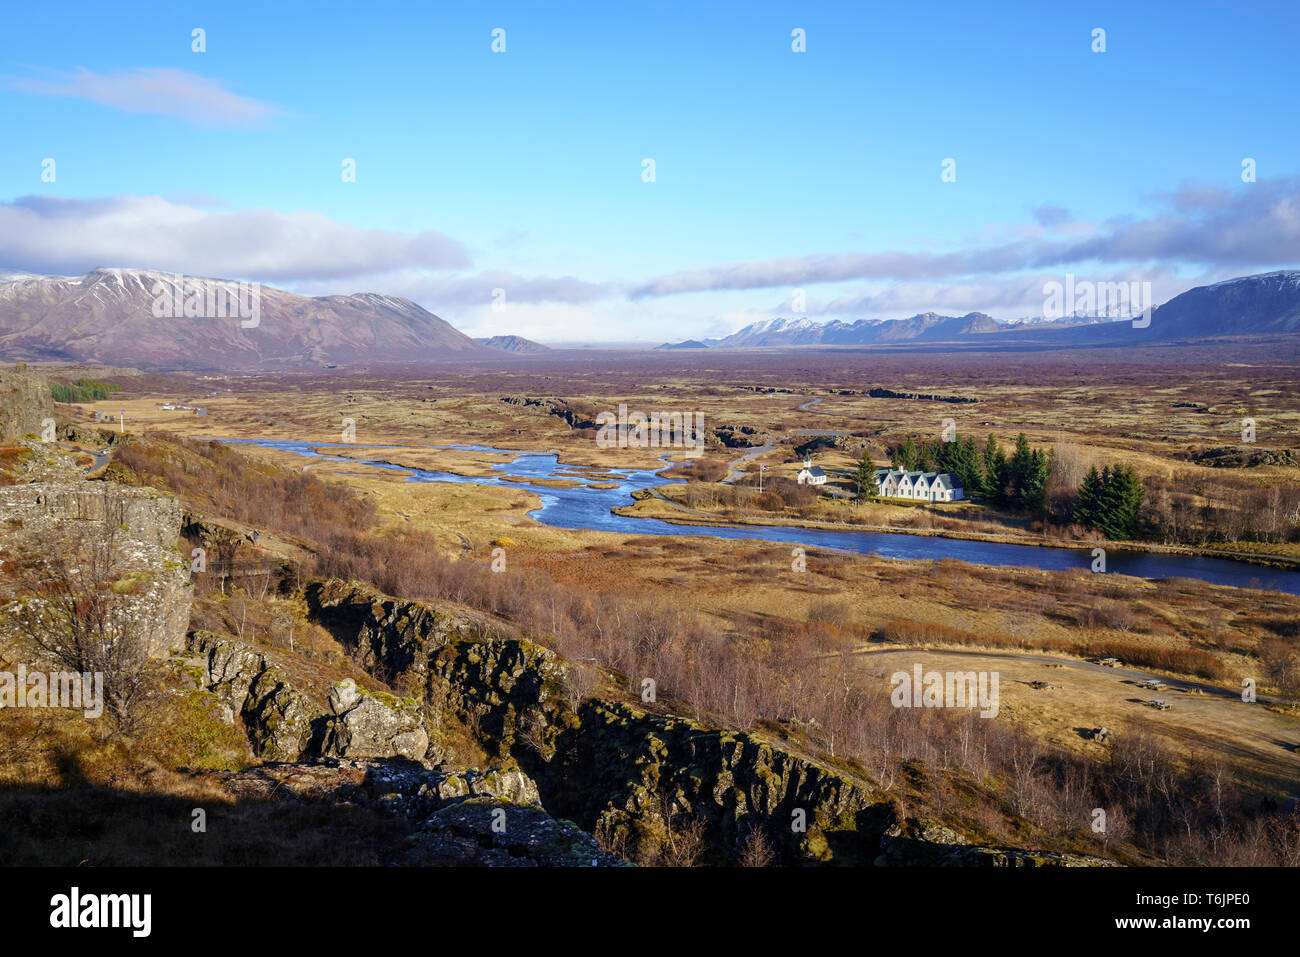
(775, 171)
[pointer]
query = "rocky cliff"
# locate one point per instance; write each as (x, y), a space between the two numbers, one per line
(24, 404)
(134, 530)
(143, 515)
(53, 518)
(287, 722)
(635, 779)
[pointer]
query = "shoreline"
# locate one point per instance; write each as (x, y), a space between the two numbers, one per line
(1248, 558)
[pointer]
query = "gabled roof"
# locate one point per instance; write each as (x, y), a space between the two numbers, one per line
(947, 480)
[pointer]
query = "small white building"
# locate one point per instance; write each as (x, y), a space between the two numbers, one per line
(810, 474)
(926, 486)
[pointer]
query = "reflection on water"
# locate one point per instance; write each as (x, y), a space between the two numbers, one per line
(589, 508)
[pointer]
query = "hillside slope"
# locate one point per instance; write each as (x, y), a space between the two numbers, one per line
(111, 316)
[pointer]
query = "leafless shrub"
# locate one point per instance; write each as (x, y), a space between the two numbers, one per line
(1110, 614)
(684, 840)
(76, 607)
(755, 848)
(831, 611)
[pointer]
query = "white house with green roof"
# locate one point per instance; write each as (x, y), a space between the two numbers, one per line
(925, 486)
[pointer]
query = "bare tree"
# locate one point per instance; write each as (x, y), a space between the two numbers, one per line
(78, 608)
(685, 842)
(226, 543)
(755, 848)
(684, 835)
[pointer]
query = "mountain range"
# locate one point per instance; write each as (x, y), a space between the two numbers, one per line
(136, 317)
(927, 326)
(1264, 304)
(154, 320)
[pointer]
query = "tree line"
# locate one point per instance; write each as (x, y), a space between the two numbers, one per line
(1017, 481)
(1108, 500)
(83, 390)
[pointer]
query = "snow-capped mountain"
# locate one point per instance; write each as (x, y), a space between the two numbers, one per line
(927, 326)
(1263, 304)
(153, 320)
(1249, 305)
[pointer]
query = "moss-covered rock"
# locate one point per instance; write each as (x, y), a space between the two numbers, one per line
(281, 722)
(376, 726)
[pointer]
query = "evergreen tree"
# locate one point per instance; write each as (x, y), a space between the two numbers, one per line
(1129, 499)
(908, 457)
(925, 458)
(961, 458)
(946, 456)
(968, 467)
(864, 479)
(1020, 463)
(995, 469)
(1087, 506)
(1111, 501)
(1020, 472)
(1032, 492)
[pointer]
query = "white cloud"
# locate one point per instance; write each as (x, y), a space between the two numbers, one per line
(545, 322)
(1252, 228)
(1014, 297)
(480, 288)
(72, 236)
(199, 100)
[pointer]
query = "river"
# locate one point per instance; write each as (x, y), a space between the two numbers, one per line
(590, 508)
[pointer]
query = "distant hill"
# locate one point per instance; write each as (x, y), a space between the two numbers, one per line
(1260, 305)
(516, 344)
(1264, 304)
(112, 316)
(687, 344)
(928, 327)
(1251, 305)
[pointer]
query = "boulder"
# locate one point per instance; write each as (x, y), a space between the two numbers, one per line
(281, 722)
(510, 784)
(490, 832)
(375, 726)
(343, 696)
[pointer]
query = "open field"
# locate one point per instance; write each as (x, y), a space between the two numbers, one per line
(1260, 744)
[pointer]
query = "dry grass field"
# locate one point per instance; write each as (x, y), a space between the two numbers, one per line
(1260, 744)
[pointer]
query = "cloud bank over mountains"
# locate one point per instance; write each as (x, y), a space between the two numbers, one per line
(1258, 225)
(44, 234)
(1221, 231)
